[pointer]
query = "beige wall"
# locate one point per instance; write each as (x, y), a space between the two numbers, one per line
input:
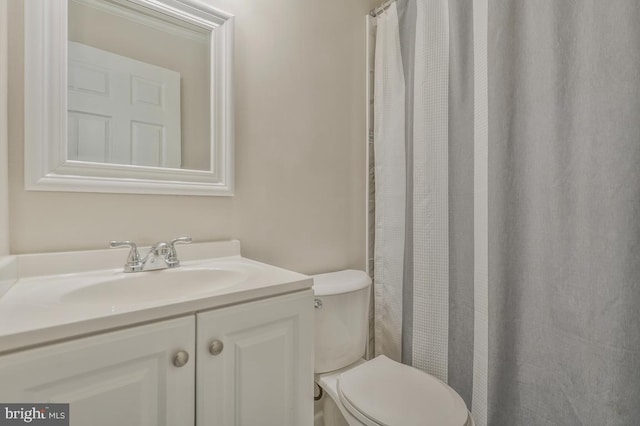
(4, 207)
(300, 150)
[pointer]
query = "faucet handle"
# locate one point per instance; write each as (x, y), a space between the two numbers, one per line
(172, 258)
(133, 260)
(181, 240)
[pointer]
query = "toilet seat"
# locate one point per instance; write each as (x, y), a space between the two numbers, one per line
(382, 392)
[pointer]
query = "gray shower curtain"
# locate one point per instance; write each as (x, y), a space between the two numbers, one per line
(564, 212)
(561, 166)
(460, 310)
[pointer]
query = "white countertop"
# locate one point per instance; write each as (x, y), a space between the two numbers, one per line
(34, 310)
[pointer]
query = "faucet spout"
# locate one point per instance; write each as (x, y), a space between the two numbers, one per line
(160, 249)
(156, 258)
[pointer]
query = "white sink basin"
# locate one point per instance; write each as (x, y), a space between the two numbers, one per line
(56, 296)
(150, 287)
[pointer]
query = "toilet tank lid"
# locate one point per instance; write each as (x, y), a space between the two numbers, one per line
(340, 282)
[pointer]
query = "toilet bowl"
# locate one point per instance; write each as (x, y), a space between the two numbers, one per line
(376, 392)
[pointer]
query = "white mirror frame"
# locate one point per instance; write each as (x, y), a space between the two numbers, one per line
(45, 109)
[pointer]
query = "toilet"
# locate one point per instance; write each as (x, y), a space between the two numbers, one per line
(377, 392)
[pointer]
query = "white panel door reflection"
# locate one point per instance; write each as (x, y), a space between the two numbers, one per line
(121, 110)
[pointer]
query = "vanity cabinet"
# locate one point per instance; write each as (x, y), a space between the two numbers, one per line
(124, 377)
(254, 363)
(249, 364)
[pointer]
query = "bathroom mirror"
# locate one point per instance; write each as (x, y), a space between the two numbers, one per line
(131, 96)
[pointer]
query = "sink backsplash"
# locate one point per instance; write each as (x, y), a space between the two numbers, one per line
(8, 273)
(41, 264)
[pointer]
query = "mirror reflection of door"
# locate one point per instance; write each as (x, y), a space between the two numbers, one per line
(122, 110)
(145, 36)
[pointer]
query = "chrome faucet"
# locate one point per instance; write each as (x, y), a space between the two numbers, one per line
(161, 255)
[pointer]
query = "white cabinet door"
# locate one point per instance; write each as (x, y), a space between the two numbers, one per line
(264, 374)
(124, 378)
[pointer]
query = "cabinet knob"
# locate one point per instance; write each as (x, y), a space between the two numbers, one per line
(180, 358)
(216, 347)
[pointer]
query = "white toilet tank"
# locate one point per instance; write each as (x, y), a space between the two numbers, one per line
(341, 318)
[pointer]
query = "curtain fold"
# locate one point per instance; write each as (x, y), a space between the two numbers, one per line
(461, 205)
(412, 281)
(430, 157)
(390, 182)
